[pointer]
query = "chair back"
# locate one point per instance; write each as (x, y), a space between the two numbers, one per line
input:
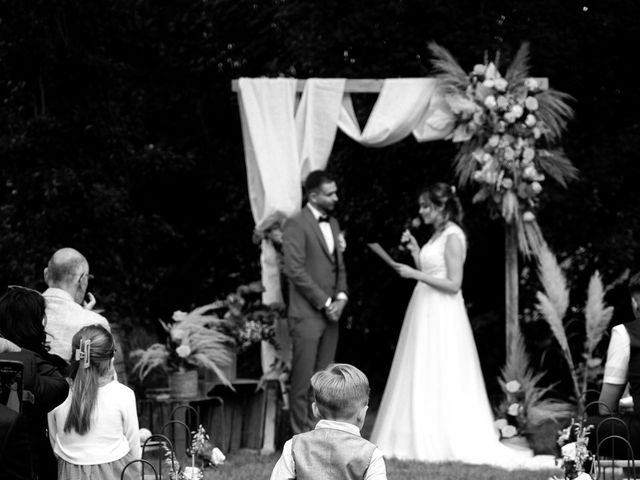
(143, 463)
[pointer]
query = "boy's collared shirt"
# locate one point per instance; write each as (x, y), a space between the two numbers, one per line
(285, 469)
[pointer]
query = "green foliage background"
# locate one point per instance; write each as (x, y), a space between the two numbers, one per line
(120, 136)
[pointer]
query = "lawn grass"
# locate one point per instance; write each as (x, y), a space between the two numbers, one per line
(247, 465)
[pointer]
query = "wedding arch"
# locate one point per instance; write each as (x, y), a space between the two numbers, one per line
(288, 129)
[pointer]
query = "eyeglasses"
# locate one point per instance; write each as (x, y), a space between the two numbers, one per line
(88, 275)
(25, 289)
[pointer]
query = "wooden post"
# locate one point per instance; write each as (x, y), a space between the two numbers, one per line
(511, 284)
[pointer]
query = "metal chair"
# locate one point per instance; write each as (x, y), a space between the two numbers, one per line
(153, 441)
(143, 463)
(191, 411)
(603, 462)
(187, 434)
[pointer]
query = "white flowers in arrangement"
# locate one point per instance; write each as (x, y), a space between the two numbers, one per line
(507, 126)
(577, 460)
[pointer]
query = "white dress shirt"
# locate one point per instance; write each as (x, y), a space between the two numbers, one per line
(617, 366)
(64, 318)
(285, 469)
(325, 228)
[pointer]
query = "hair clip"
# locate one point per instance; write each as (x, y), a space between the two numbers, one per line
(84, 353)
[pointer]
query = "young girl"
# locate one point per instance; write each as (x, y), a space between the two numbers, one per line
(94, 433)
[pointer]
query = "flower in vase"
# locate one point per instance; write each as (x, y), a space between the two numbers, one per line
(508, 431)
(183, 351)
(217, 457)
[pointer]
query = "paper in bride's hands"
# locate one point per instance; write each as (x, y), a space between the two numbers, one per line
(382, 253)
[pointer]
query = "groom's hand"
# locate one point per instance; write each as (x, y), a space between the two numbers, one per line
(334, 311)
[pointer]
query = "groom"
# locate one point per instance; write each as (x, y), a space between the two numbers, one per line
(314, 266)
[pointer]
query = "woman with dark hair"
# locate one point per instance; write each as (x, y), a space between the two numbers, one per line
(435, 406)
(23, 330)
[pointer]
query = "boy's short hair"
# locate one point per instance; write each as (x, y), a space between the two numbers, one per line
(340, 391)
(634, 284)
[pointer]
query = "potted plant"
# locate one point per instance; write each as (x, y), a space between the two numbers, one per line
(195, 339)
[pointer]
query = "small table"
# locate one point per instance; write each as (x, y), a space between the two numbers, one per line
(245, 418)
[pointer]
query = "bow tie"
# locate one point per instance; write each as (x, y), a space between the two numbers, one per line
(323, 218)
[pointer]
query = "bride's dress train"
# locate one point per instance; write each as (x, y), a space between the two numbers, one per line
(435, 406)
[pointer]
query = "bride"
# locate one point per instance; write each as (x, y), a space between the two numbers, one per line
(435, 406)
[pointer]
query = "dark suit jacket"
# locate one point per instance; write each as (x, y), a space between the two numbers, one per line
(45, 388)
(313, 273)
(15, 450)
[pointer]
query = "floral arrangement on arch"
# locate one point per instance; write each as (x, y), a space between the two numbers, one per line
(577, 460)
(508, 127)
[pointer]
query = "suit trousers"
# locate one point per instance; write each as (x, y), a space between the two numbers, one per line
(314, 342)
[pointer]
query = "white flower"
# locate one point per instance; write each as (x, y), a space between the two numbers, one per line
(478, 118)
(479, 69)
(517, 111)
(532, 84)
(217, 457)
(183, 351)
(536, 187)
(487, 158)
(491, 72)
(490, 102)
(509, 117)
(513, 409)
(488, 83)
(509, 154)
(507, 183)
(502, 102)
(179, 315)
(500, 423)
(569, 451)
(501, 84)
(177, 334)
(494, 140)
(536, 133)
(508, 431)
(477, 175)
(528, 154)
(530, 172)
(512, 386)
(528, 216)
(531, 103)
(531, 120)
(501, 126)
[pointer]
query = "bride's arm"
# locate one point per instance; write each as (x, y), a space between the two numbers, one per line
(454, 260)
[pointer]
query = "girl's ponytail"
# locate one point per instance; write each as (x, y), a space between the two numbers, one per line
(92, 351)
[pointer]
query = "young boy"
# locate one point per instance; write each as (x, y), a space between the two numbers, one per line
(334, 449)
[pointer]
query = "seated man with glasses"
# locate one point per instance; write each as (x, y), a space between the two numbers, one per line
(67, 276)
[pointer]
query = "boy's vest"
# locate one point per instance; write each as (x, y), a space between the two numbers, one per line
(329, 454)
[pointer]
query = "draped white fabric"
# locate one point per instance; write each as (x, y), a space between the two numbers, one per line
(405, 105)
(283, 144)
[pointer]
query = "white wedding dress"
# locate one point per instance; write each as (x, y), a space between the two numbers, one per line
(435, 406)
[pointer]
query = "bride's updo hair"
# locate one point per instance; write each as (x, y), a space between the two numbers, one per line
(444, 195)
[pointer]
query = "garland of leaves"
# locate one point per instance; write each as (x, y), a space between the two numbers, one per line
(508, 128)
